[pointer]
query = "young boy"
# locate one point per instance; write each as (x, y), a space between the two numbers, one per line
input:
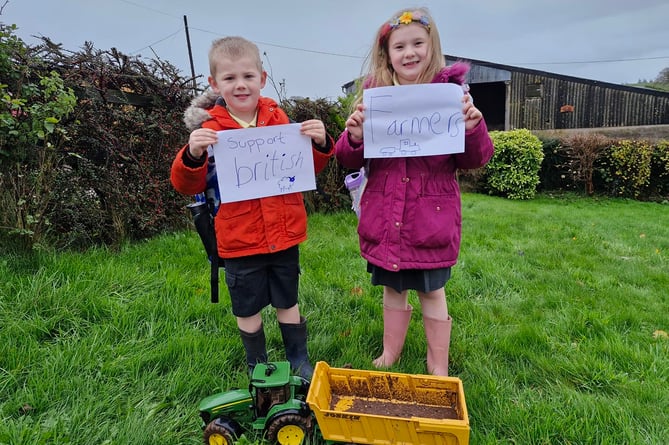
(258, 238)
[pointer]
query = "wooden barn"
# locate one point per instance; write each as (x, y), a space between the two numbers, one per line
(511, 97)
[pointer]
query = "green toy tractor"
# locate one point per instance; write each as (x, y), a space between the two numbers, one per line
(273, 405)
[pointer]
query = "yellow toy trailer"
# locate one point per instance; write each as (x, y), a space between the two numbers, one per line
(339, 406)
(384, 408)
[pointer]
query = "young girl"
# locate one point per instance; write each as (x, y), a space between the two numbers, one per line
(410, 217)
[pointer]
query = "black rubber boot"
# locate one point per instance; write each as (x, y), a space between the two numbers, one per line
(255, 347)
(295, 342)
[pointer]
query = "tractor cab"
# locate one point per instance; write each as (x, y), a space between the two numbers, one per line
(269, 386)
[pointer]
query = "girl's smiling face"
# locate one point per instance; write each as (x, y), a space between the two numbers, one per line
(409, 52)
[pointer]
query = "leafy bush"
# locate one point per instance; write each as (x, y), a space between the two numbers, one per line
(472, 180)
(33, 106)
(555, 173)
(330, 194)
(513, 170)
(583, 152)
(659, 170)
(86, 144)
(626, 167)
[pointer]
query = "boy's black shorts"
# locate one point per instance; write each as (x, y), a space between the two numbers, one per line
(257, 281)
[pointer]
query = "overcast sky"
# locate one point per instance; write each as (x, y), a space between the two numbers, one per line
(314, 47)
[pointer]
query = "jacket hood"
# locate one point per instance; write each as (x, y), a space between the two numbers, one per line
(455, 73)
(196, 113)
(201, 109)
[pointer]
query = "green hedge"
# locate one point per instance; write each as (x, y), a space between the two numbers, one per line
(513, 171)
(81, 163)
(596, 164)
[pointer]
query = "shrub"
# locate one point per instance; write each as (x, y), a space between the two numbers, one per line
(555, 171)
(626, 168)
(659, 170)
(330, 194)
(583, 152)
(32, 136)
(513, 169)
(472, 180)
(86, 144)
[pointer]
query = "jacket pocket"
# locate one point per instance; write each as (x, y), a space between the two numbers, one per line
(436, 222)
(238, 226)
(371, 226)
(295, 215)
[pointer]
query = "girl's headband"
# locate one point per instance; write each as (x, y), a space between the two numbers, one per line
(405, 18)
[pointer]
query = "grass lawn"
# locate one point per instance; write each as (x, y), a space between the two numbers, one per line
(560, 308)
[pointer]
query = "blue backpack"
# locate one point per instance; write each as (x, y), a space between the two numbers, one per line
(203, 211)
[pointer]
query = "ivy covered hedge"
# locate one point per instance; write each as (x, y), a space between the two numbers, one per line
(86, 144)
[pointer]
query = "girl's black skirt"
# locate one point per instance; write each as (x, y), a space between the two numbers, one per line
(422, 280)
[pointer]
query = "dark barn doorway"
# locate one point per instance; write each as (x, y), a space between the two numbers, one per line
(490, 98)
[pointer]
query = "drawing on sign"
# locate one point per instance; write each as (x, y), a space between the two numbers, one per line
(286, 183)
(406, 148)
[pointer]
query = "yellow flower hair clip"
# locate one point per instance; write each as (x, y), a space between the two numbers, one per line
(406, 18)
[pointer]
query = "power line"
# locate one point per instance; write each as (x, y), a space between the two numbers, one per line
(575, 62)
(139, 5)
(156, 42)
(216, 33)
(287, 47)
(327, 53)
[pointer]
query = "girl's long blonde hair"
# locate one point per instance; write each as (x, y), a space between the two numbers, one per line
(380, 71)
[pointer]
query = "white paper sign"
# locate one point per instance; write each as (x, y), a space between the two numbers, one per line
(413, 120)
(265, 161)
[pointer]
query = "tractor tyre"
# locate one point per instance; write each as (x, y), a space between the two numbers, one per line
(288, 429)
(217, 434)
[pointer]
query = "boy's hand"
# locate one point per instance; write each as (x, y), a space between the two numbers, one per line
(199, 140)
(315, 129)
(354, 123)
(472, 114)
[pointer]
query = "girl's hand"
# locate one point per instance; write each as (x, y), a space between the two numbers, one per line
(472, 114)
(199, 140)
(315, 129)
(354, 123)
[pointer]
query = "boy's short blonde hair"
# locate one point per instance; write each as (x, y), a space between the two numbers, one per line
(232, 48)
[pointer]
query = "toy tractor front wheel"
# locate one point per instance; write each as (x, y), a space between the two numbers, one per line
(288, 429)
(218, 434)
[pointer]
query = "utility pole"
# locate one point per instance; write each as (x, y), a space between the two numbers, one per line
(190, 55)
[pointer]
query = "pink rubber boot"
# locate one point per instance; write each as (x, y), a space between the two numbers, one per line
(395, 326)
(438, 334)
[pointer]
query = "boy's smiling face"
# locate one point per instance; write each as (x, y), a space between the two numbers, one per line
(239, 81)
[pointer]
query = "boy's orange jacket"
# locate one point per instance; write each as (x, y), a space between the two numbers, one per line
(254, 226)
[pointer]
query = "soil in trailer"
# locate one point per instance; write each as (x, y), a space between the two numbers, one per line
(391, 408)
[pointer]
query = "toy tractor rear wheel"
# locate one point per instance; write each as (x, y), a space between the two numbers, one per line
(288, 429)
(217, 434)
